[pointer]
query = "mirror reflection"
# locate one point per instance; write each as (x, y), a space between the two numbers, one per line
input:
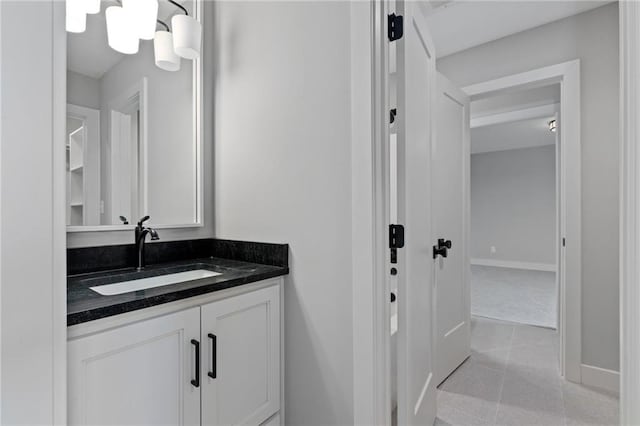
(132, 125)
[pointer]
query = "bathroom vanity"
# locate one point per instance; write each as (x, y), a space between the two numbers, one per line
(206, 350)
(187, 331)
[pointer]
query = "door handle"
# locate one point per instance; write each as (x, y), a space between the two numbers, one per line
(214, 356)
(442, 249)
(196, 382)
(444, 243)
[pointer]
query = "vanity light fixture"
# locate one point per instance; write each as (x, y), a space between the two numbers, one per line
(135, 20)
(187, 34)
(144, 14)
(92, 6)
(553, 125)
(165, 56)
(75, 16)
(121, 35)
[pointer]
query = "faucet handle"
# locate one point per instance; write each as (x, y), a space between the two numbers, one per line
(141, 221)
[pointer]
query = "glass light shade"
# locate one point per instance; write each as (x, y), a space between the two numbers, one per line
(144, 14)
(165, 56)
(91, 6)
(75, 16)
(121, 33)
(187, 36)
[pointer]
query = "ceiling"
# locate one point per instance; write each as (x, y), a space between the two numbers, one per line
(514, 135)
(517, 100)
(89, 54)
(457, 25)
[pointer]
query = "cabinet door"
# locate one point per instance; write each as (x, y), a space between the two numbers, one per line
(139, 374)
(241, 344)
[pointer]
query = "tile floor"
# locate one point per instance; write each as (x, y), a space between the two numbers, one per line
(512, 378)
(516, 295)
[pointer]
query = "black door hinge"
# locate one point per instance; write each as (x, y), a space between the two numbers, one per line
(396, 236)
(564, 242)
(396, 241)
(395, 27)
(392, 115)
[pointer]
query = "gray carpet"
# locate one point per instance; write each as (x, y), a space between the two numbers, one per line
(516, 295)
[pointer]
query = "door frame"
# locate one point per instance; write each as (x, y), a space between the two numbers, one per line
(629, 212)
(91, 158)
(567, 74)
(370, 212)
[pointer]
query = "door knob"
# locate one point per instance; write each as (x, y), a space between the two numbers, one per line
(439, 251)
(444, 243)
(442, 249)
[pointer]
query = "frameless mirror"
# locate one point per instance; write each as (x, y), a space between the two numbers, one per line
(133, 129)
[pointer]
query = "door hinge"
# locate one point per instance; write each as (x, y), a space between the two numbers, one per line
(395, 27)
(396, 236)
(564, 242)
(392, 115)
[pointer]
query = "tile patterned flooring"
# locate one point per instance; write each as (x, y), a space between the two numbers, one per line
(512, 378)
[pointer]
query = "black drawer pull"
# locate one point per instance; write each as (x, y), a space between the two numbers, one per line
(214, 356)
(196, 382)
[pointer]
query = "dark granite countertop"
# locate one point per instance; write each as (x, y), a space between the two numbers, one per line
(83, 304)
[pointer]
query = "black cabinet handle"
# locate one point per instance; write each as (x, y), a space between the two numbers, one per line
(214, 356)
(196, 382)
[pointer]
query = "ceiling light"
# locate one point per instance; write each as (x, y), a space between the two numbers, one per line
(165, 56)
(187, 36)
(121, 33)
(144, 14)
(553, 125)
(92, 6)
(76, 16)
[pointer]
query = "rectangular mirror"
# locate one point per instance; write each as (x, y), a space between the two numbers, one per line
(133, 141)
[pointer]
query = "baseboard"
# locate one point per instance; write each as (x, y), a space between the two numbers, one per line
(602, 378)
(549, 267)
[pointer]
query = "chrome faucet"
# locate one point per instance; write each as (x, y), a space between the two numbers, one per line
(141, 232)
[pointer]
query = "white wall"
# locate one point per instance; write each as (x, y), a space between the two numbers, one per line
(82, 90)
(513, 205)
(31, 218)
(283, 174)
(592, 37)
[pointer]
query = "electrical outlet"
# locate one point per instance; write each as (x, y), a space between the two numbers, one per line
(493, 249)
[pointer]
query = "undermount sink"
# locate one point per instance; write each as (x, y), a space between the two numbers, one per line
(152, 282)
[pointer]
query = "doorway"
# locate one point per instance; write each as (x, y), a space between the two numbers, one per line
(568, 237)
(514, 212)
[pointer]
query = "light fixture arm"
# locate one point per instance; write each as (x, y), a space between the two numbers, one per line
(179, 6)
(164, 25)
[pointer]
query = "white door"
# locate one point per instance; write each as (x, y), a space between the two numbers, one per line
(450, 204)
(139, 374)
(241, 359)
(416, 81)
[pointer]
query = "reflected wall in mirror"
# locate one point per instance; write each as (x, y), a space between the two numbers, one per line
(133, 131)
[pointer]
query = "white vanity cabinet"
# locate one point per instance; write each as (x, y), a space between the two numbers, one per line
(144, 372)
(241, 384)
(138, 374)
